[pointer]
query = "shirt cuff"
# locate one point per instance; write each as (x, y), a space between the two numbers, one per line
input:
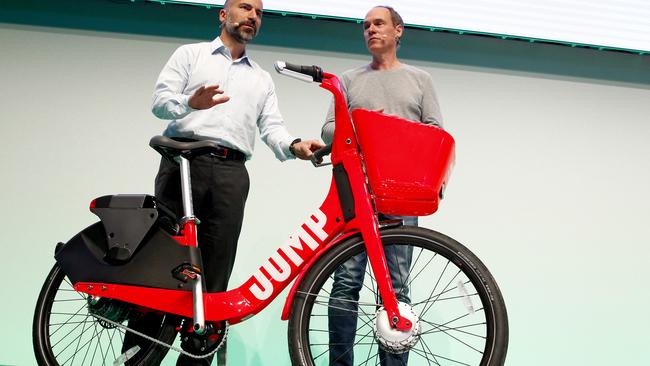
(285, 148)
(186, 102)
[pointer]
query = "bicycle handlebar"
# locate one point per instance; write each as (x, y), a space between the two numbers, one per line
(317, 157)
(329, 82)
(305, 73)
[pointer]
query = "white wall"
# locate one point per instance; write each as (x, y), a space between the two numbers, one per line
(550, 186)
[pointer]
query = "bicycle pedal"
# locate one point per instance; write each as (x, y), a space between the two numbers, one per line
(186, 272)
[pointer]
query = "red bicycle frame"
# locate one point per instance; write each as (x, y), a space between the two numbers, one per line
(325, 227)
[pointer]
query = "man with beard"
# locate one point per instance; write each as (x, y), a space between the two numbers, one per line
(399, 89)
(214, 91)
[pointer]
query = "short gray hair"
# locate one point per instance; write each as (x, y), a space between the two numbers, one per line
(394, 17)
(225, 6)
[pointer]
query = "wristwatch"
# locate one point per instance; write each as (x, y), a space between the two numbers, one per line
(291, 146)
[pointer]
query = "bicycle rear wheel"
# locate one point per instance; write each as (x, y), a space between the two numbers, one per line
(65, 333)
(462, 315)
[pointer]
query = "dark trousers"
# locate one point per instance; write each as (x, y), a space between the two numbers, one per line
(343, 307)
(219, 192)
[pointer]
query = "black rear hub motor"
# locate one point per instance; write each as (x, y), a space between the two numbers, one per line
(113, 310)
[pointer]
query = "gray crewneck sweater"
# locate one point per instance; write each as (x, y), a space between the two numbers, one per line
(406, 92)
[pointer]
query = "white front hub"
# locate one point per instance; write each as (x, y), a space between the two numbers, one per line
(391, 339)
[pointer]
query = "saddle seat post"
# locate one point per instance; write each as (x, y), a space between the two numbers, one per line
(189, 222)
(186, 191)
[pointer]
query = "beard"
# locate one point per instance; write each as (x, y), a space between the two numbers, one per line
(238, 34)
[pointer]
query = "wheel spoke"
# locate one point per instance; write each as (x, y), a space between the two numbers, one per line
(437, 296)
(373, 283)
(67, 323)
(79, 341)
(366, 322)
(425, 356)
(92, 360)
(338, 299)
(458, 318)
(88, 343)
(336, 307)
(456, 297)
(351, 348)
(439, 327)
(445, 288)
(65, 336)
(81, 294)
(84, 345)
(374, 288)
(370, 352)
(459, 340)
(423, 267)
(333, 331)
(427, 350)
(110, 345)
(444, 358)
(397, 267)
(71, 316)
(437, 283)
(366, 271)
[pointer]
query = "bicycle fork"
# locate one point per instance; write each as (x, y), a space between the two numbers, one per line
(368, 226)
(377, 259)
(188, 223)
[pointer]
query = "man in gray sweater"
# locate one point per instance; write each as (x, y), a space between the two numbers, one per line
(387, 85)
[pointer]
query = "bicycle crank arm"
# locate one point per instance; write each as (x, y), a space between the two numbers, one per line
(192, 274)
(197, 299)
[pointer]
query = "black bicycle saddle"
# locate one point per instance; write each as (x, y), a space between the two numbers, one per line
(171, 148)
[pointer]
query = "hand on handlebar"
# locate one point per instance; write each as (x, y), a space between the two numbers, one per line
(305, 149)
(204, 97)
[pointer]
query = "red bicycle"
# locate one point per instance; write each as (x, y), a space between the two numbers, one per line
(140, 259)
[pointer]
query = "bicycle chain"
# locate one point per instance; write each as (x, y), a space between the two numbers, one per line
(161, 343)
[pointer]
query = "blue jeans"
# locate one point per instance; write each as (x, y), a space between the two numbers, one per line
(343, 308)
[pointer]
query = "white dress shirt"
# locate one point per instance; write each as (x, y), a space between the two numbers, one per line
(253, 102)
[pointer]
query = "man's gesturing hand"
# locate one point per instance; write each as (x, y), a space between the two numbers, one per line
(304, 149)
(203, 97)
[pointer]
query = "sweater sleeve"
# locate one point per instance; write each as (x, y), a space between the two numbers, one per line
(430, 106)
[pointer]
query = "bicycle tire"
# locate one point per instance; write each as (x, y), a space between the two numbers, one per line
(308, 345)
(95, 343)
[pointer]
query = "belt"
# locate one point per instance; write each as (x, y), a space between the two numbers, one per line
(227, 153)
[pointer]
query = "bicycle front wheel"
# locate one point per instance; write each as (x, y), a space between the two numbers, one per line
(460, 312)
(66, 333)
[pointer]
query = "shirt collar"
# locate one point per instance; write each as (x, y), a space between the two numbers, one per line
(217, 46)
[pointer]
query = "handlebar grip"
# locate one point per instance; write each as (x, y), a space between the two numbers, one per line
(305, 73)
(317, 157)
(314, 71)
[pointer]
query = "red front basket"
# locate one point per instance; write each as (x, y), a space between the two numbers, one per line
(408, 163)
